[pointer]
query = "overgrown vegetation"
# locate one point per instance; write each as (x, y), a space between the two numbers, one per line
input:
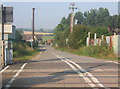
(93, 51)
(21, 49)
(94, 21)
(97, 52)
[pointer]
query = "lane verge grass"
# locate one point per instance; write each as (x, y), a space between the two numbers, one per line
(93, 51)
(22, 52)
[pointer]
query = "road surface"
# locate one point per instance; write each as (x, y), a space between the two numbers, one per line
(53, 68)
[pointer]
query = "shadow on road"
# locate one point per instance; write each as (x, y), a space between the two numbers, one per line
(52, 78)
(42, 49)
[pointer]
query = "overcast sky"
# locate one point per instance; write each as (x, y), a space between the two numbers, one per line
(49, 14)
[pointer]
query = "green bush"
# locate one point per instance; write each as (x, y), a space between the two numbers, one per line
(77, 38)
(95, 51)
(21, 49)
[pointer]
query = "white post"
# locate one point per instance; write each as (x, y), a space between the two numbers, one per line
(88, 39)
(95, 41)
(102, 37)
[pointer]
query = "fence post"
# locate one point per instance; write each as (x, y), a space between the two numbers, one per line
(88, 39)
(111, 45)
(95, 40)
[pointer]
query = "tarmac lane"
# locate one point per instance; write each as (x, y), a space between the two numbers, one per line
(9, 73)
(56, 69)
(106, 72)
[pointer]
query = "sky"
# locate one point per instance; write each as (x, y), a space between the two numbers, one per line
(49, 14)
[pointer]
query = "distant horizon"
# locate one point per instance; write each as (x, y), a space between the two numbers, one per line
(36, 29)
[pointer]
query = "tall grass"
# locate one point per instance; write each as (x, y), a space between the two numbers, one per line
(103, 52)
(97, 51)
(22, 51)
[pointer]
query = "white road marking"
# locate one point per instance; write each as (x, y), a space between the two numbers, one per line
(86, 73)
(14, 77)
(113, 62)
(79, 73)
(4, 69)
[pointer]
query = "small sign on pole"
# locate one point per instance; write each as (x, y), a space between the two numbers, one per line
(8, 28)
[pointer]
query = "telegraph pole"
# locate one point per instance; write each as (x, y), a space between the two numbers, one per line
(33, 30)
(72, 7)
(1, 36)
(119, 8)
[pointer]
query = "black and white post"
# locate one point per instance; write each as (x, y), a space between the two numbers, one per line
(1, 36)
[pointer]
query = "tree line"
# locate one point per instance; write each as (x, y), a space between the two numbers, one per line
(94, 21)
(94, 17)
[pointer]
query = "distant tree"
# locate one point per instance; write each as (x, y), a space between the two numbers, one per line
(92, 17)
(118, 22)
(41, 30)
(59, 27)
(113, 21)
(103, 17)
(68, 19)
(79, 17)
(63, 21)
(100, 31)
(78, 37)
(18, 35)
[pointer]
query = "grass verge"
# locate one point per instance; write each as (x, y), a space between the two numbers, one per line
(22, 52)
(101, 52)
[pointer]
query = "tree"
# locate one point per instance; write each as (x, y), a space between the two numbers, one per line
(63, 21)
(41, 30)
(59, 27)
(113, 21)
(94, 21)
(118, 22)
(18, 35)
(100, 31)
(78, 37)
(79, 17)
(103, 17)
(68, 19)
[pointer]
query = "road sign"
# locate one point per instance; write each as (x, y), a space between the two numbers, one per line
(8, 14)
(8, 28)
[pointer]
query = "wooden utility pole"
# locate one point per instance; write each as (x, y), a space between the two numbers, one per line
(71, 21)
(72, 7)
(33, 30)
